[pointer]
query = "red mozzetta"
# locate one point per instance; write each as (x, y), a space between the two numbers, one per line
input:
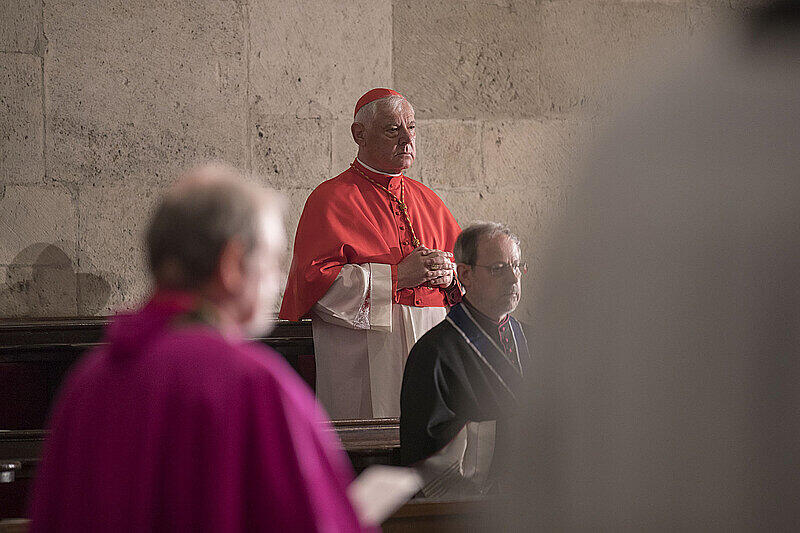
(349, 220)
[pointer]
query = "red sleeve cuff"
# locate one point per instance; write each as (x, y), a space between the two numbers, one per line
(394, 283)
(454, 292)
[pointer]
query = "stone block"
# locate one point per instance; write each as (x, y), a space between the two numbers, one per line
(295, 200)
(531, 167)
(343, 147)
(724, 5)
(449, 154)
(466, 206)
(290, 152)
(20, 21)
(12, 292)
(586, 47)
(36, 216)
(21, 119)
(315, 58)
(466, 59)
(136, 90)
(709, 17)
(534, 156)
(520, 212)
(111, 240)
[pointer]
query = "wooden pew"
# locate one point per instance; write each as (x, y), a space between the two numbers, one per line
(35, 355)
(366, 442)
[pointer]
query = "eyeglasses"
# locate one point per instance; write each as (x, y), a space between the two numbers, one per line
(501, 268)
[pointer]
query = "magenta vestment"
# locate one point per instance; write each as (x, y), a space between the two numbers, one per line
(174, 427)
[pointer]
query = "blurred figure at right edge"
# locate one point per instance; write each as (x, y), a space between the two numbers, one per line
(665, 395)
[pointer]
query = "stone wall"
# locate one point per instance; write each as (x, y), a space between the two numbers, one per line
(102, 103)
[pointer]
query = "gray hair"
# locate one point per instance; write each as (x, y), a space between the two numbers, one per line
(466, 247)
(367, 112)
(210, 206)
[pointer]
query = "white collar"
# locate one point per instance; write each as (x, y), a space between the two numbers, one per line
(377, 171)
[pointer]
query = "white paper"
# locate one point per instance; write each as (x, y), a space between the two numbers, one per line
(380, 490)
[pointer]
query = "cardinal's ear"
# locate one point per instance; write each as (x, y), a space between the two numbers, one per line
(359, 133)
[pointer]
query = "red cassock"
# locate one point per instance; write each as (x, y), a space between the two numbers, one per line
(349, 220)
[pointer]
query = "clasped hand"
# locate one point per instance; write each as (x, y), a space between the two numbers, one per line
(426, 266)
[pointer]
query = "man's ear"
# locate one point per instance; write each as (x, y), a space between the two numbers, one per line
(358, 130)
(464, 275)
(231, 268)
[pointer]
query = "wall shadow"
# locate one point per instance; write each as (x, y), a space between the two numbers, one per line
(42, 281)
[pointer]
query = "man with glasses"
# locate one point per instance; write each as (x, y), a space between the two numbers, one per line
(462, 378)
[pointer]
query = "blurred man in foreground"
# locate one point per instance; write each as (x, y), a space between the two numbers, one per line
(463, 377)
(665, 396)
(180, 424)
